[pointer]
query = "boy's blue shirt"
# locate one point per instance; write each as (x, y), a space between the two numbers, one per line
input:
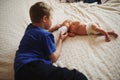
(36, 45)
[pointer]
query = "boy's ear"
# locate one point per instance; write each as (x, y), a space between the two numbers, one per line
(44, 18)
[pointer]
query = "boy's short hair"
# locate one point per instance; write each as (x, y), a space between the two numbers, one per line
(38, 10)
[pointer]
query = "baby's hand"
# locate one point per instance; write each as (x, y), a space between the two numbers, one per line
(71, 34)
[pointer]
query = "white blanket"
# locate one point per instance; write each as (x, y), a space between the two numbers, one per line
(97, 59)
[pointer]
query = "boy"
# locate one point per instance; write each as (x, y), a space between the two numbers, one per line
(79, 28)
(37, 50)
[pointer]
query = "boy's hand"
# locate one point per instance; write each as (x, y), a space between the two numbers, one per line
(54, 28)
(63, 36)
(66, 23)
(57, 26)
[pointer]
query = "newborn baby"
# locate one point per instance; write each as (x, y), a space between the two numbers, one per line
(79, 28)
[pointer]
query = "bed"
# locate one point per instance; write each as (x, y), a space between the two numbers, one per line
(97, 59)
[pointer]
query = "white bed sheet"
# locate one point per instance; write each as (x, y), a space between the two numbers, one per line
(97, 59)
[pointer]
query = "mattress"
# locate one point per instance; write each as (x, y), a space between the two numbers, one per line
(91, 55)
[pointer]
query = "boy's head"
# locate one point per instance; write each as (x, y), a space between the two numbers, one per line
(40, 12)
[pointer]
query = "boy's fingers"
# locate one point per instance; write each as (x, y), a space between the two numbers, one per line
(66, 34)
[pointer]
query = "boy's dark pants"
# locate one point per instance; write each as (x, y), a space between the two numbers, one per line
(37, 70)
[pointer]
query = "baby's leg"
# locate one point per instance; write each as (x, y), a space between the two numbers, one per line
(96, 28)
(113, 33)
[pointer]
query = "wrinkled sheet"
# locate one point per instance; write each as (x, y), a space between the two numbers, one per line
(97, 59)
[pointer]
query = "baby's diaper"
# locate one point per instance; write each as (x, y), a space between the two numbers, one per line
(63, 29)
(89, 28)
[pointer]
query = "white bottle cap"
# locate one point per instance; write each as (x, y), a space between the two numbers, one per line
(63, 29)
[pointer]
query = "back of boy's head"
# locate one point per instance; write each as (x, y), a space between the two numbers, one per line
(38, 10)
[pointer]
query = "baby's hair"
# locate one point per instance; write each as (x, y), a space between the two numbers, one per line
(38, 10)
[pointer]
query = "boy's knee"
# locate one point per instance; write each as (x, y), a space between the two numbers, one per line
(79, 75)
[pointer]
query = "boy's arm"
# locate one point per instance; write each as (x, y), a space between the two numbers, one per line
(54, 57)
(54, 28)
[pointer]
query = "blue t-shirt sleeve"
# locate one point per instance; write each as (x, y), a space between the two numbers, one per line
(49, 44)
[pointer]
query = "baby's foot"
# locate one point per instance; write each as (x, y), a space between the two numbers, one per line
(115, 34)
(107, 39)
